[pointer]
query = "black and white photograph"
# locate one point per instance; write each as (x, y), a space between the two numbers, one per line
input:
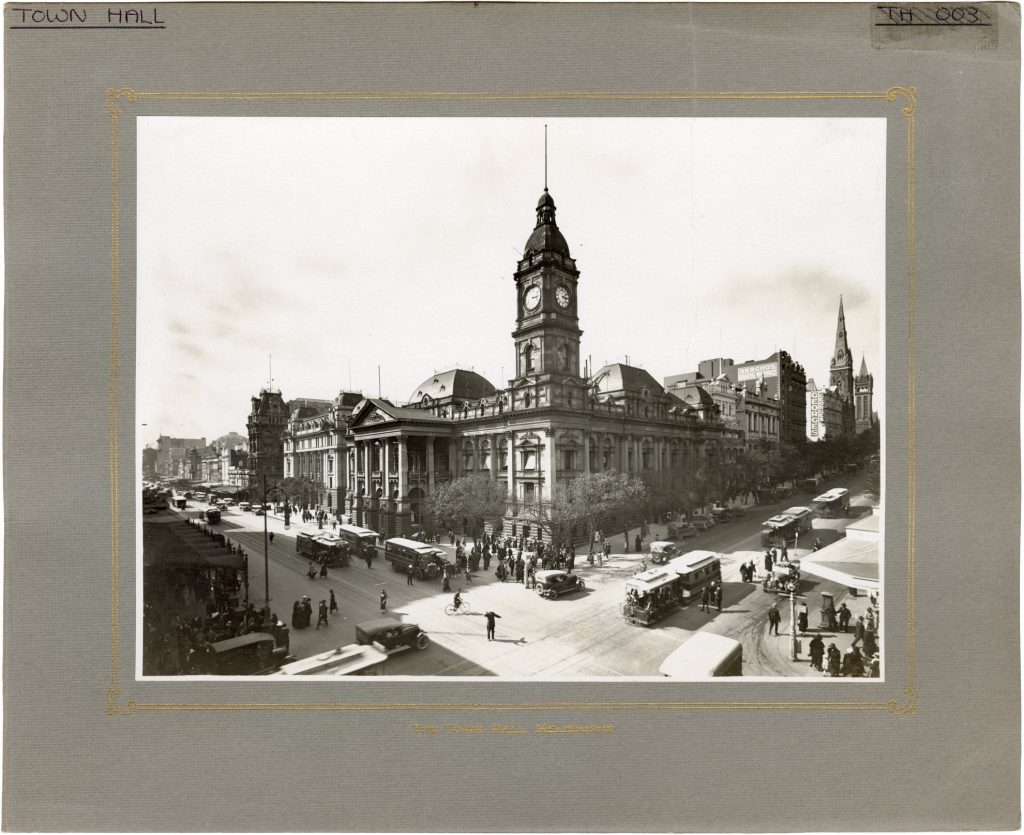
(539, 399)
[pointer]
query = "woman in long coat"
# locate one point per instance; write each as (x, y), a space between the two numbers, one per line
(834, 657)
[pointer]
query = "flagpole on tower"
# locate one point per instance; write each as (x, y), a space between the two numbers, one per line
(545, 157)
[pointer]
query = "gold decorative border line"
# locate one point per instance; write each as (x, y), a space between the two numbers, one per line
(116, 98)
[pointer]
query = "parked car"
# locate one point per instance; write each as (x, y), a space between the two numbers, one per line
(551, 584)
(702, 523)
(392, 634)
(681, 529)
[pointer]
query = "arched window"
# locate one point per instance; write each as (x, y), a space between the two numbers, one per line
(528, 359)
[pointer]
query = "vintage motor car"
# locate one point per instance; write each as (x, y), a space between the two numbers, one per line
(681, 529)
(662, 552)
(784, 577)
(392, 634)
(703, 522)
(551, 584)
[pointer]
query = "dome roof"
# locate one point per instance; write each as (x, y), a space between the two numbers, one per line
(621, 377)
(458, 383)
(695, 396)
(545, 236)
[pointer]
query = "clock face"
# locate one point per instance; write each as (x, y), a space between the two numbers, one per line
(532, 298)
(562, 296)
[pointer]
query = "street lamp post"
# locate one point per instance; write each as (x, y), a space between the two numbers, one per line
(266, 552)
(266, 545)
(792, 626)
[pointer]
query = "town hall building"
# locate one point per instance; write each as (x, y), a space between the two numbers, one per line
(548, 424)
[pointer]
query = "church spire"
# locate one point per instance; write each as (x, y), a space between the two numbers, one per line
(841, 333)
(863, 366)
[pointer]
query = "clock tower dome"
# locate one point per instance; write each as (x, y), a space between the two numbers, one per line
(547, 334)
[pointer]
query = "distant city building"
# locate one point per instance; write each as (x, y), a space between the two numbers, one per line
(863, 397)
(783, 379)
(268, 418)
(234, 466)
(825, 412)
(777, 377)
(149, 459)
(175, 456)
(758, 417)
(210, 466)
(315, 448)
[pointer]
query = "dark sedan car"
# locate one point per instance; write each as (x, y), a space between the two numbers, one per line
(551, 584)
(391, 634)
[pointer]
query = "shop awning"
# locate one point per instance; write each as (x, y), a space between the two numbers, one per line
(162, 546)
(850, 562)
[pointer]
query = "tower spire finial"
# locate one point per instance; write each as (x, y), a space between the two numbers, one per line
(545, 157)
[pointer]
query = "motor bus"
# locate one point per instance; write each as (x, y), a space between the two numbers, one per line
(350, 660)
(177, 502)
(255, 653)
(780, 530)
(358, 539)
(321, 545)
(212, 515)
(705, 655)
(803, 515)
(832, 504)
(651, 596)
(695, 570)
(426, 560)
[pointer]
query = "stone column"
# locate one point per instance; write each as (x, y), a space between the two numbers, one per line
(372, 502)
(586, 452)
(385, 467)
(510, 440)
(494, 442)
(403, 470)
(403, 515)
(453, 458)
(429, 443)
(547, 489)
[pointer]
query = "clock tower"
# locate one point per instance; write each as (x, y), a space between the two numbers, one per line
(547, 334)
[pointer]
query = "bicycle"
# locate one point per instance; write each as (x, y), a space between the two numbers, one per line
(463, 608)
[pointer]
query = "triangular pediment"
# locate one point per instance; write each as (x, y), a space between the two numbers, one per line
(372, 412)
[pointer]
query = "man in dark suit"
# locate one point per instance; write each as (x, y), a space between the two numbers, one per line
(490, 616)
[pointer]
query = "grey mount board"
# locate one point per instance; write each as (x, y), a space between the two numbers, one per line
(933, 747)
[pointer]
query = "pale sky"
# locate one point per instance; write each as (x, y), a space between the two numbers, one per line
(336, 243)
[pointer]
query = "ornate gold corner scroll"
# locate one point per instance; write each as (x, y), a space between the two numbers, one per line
(117, 97)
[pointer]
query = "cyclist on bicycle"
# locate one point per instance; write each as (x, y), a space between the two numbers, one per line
(458, 599)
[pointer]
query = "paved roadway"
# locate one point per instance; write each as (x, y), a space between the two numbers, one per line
(577, 635)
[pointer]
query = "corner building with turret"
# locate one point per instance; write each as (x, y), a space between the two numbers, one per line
(548, 424)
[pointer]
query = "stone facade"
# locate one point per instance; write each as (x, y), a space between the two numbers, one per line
(826, 412)
(314, 446)
(863, 398)
(268, 418)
